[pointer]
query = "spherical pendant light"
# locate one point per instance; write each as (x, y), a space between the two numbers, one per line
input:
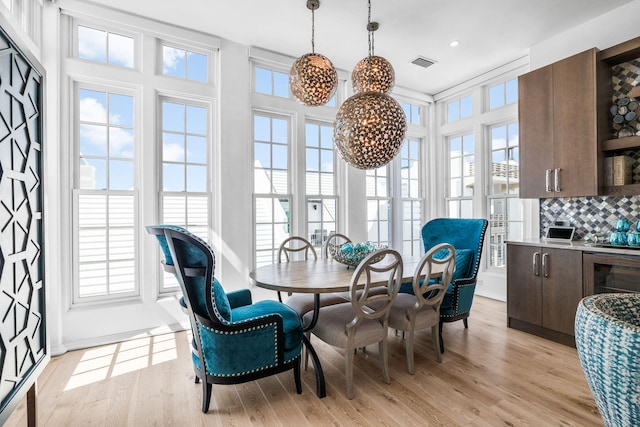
(313, 79)
(373, 73)
(369, 130)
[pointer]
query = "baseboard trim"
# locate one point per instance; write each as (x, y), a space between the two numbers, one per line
(549, 334)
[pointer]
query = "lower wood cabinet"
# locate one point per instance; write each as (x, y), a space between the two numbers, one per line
(544, 287)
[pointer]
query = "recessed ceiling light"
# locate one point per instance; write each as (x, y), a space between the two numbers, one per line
(454, 43)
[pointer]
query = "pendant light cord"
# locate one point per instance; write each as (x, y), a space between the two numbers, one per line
(369, 28)
(313, 31)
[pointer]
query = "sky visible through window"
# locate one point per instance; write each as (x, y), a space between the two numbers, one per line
(503, 94)
(184, 147)
(411, 112)
(272, 82)
(184, 64)
(101, 46)
(106, 140)
(459, 109)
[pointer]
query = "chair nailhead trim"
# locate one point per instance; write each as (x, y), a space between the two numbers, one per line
(254, 328)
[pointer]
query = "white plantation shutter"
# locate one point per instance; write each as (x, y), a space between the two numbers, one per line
(105, 244)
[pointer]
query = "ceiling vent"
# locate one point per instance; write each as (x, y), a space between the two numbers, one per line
(423, 62)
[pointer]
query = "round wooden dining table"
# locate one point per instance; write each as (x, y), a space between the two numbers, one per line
(319, 277)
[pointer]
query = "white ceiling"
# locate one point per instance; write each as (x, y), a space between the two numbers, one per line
(491, 32)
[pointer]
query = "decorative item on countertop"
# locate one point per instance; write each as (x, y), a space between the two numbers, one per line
(352, 254)
(623, 225)
(624, 113)
(618, 238)
(633, 239)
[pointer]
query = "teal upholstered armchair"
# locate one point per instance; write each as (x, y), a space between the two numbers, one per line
(467, 237)
(167, 263)
(235, 341)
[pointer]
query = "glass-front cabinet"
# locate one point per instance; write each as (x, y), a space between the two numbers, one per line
(605, 273)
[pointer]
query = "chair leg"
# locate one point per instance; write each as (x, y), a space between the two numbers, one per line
(408, 348)
(466, 324)
(440, 336)
(348, 372)
(296, 375)
(206, 396)
(279, 296)
(305, 351)
(435, 337)
(384, 360)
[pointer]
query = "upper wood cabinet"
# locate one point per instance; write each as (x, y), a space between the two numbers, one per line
(562, 117)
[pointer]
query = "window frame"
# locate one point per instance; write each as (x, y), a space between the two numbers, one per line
(507, 197)
(168, 285)
(275, 197)
(320, 197)
(208, 53)
(272, 69)
(121, 31)
(503, 85)
(458, 101)
(77, 192)
(479, 124)
(148, 85)
(419, 199)
(377, 199)
(448, 178)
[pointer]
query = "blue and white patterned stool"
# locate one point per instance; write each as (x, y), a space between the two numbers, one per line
(608, 342)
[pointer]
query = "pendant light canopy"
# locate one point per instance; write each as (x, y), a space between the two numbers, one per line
(313, 79)
(370, 126)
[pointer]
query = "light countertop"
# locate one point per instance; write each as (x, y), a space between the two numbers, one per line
(577, 245)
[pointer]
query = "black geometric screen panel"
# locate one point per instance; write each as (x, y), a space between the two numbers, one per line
(23, 343)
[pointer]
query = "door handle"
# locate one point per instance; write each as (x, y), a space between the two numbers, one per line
(547, 177)
(545, 264)
(536, 267)
(556, 179)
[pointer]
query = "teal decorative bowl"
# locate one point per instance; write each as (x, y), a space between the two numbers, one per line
(352, 254)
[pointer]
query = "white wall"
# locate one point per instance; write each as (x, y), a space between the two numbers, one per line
(605, 31)
(232, 169)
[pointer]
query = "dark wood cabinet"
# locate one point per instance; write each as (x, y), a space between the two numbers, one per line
(561, 288)
(535, 117)
(544, 287)
(562, 117)
(524, 288)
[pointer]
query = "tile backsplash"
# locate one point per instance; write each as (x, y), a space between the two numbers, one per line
(590, 215)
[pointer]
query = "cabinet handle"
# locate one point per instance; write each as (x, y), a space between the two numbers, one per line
(536, 267)
(545, 264)
(556, 178)
(547, 177)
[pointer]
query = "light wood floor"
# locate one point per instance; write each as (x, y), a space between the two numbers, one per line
(490, 376)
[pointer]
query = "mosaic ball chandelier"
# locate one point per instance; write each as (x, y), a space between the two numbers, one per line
(313, 79)
(373, 73)
(369, 128)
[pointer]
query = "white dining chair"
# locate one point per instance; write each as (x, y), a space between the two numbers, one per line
(421, 310)
(352, 325)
